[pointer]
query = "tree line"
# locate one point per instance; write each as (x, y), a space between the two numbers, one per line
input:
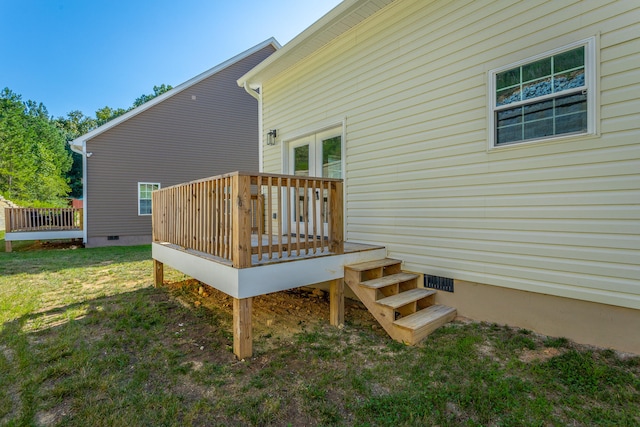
(37, 166)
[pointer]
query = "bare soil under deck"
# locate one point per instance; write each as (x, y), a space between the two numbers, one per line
(276, 317)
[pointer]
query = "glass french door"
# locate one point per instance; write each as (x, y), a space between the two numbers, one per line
(318, 155)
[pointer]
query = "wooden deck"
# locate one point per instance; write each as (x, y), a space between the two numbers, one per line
(42, 224)
(253, 234)
(249, 234)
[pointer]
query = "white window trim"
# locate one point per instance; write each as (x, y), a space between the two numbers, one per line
(138, 190)
(591, 71)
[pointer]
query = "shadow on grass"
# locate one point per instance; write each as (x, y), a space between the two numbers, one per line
(124, 359)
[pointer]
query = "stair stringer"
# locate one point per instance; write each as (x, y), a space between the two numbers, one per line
(383, 315)
(382, 280)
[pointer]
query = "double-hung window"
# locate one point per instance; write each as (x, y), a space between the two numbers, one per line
(144, 196)
(543, 97)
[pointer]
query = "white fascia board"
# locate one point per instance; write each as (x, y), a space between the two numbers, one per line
(76, 144)
(282, 276)
(260, 280)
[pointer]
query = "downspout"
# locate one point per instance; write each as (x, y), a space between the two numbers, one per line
(84, 192)
(257, 95)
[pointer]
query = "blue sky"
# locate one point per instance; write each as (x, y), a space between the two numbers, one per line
(86, 54)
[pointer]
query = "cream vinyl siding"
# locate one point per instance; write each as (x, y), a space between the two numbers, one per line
(411, 82)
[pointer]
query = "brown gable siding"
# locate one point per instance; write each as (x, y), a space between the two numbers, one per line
(177, 140)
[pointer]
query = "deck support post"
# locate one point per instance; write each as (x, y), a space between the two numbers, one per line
(158, 273)
(242, 339)
(7, 246)
(336, 302)
(241, 221)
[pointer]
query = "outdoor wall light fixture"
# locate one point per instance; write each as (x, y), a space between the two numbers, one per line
(271, 137)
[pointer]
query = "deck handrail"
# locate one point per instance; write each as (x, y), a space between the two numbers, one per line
(43, 219)
(246, 218)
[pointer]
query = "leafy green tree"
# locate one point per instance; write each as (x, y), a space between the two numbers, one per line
(33, 156)
(17, 162)
(157, 91)
(106, 114)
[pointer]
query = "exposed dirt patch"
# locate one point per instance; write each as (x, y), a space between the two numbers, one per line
(54, 415)
(276, 317)
(38, 245)
(542, 354)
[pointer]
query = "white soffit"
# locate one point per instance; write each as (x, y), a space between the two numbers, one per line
(336, 22)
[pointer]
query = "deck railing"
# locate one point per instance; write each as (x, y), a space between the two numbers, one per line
(248, 218)
(42, 219)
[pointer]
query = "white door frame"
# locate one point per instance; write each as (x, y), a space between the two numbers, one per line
(288, 142)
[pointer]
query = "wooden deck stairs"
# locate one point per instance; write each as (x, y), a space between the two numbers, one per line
(405, 310)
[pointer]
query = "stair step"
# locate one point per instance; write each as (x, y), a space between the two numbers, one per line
(369, 265)
(406, 297)
(430, 318)
(388, 280)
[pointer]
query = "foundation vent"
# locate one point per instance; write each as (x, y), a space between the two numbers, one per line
(439, 283)
(113, 237)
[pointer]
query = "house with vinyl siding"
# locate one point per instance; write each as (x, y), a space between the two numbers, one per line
(205, 126)
(491, 146)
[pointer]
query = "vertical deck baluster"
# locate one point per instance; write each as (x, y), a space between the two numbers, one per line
(178, 214)
(201, 218)
(229, 212)
(193, 215)
(297, 202)
(256, 215)
(306, 217)
(209, 215)
(218, 232)
(279, 214)
(314, 203)
(187, 217)
(216, 216)
(323, 213)
(223, 216)
(269, 219)
(223, 223)
(329, 215)
(169, 219)
(289, 216)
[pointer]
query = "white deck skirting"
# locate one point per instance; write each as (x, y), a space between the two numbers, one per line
(43, 235)
(266, 278)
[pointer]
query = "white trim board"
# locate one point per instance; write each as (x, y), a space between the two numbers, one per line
(43, 235)
(265, 279)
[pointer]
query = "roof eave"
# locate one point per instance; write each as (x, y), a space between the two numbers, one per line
(305, 43)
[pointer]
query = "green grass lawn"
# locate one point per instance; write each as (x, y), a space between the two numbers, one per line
(86, 340)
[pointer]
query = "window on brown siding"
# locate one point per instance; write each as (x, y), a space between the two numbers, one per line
(144, 196)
